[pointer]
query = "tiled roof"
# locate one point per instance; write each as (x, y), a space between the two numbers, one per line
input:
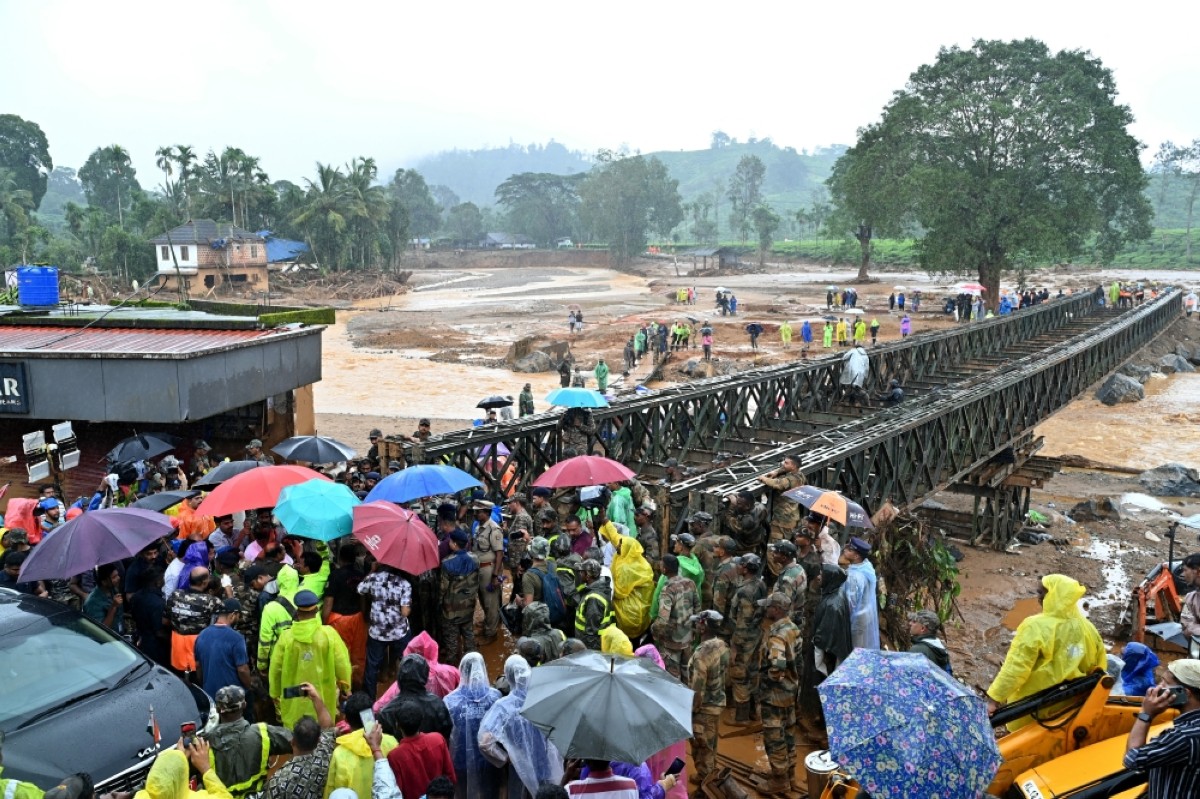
(205, 231)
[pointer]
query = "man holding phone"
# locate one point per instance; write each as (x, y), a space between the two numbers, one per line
(1172, 760)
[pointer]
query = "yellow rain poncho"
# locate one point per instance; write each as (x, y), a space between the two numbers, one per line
(311, 652)
(168, 779)
(633, 582)
(613, 641)
(1050, 647)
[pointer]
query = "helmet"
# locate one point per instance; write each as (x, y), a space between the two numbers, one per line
(590, 569)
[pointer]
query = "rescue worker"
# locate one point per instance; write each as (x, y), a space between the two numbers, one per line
(689, 566)
(535, 624)
(241, 751)
(459, 584)
(489, 548)
(860, 590)
(744, 521)
(785, 513)
(746, 622)
(1051, 647)
(672, 626)
(779, 683)
(594, 610)
(601, 373)
(708, 669)
(312, 652)
(726, 580)
(525, 401)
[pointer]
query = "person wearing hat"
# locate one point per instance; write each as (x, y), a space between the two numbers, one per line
(779, 671)
(745, 622)
(308, 651)
(51, 515)
(459, 590)
(535, 623)
(525, 401)
(708, 669)
(1048, 648)
(678, 601)
(520, 530)
(200, 464)
(601, 373)
(672, 472)
(922, 630)
(726, 579)
(792, 580)
(254, 452)
(861, 594)
(241, 750)
(785, 513)
(743, 518)
(531, 580)
(594, 608)
(489, 548)
(648, 536)
(373, 451)
(1171, 761)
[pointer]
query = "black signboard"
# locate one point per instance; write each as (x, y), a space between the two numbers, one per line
(14, 387)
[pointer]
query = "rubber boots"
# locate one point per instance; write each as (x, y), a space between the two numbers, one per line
(742, 717)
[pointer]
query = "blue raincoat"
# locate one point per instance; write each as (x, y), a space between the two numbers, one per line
(468, 704)
(1138, 673)
(859, 590)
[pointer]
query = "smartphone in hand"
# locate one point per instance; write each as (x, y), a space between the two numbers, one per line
(293, 692)
(368, 720)
(676, 766)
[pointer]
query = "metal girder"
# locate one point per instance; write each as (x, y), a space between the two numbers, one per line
(906, 454)
(702, 416)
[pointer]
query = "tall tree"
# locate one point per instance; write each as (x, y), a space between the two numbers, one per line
(16, 205)
(464, 224)
(1187, 163)
(868, 186)
(625, 198)
(25, 151)
(543, 206)
(109, 180)
(408, 189)
(326, 214)
(1013, 152)
(765, 222)
(370, 210)
(745, 193)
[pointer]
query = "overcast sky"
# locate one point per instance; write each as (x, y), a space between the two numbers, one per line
(299, 82)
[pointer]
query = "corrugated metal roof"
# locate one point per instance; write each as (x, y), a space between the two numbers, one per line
(26, 340)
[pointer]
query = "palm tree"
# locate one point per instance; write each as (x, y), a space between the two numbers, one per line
(328, 207)
(118, 157)
(185, 159)
(371, 206)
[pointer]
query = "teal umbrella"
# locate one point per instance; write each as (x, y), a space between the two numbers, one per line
(318, 509)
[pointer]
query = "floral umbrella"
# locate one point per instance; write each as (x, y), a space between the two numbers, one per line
(903, 727)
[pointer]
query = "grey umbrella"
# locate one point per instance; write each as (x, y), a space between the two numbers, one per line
(164, 499)
(608, 707)
(314, 449)
(224, 471)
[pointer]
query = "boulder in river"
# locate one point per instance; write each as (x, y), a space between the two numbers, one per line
(1096, 510)
(1138, 371)
(1173, 363)
(536, 361)
(1171, 480)
(1120, 388)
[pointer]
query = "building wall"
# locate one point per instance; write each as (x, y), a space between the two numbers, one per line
(187, 254)
(239, 253)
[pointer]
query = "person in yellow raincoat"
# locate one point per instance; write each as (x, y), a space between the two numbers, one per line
(614, 641)
(633, 578)
(168, 777)
(1050, 647)
(311, 652)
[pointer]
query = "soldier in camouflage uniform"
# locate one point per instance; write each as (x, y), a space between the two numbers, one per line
(726, 579)
(520, 531)
(744, 521)
(648, 536)
(706, 542)
(785, 513)
(246, 592)
(792, 581)
(747, 622)
(535, 623)
(779, 683)
(709, 668)
(672, 628)
(565, 564)
(577, 430)
(459, 587)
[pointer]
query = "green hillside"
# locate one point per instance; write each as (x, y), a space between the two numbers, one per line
(474, 174)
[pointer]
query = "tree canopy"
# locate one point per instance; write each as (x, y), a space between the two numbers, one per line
(625, 197)
(25, 152)
(1007, 153)
(541, 205)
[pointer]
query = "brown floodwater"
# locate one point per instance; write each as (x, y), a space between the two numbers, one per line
(1162, 428)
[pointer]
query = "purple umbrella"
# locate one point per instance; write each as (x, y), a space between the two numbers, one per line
(95, 538)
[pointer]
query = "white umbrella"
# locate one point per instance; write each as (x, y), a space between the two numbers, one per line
(855, 311)
(899, 288)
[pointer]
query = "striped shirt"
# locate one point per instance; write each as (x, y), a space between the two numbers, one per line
(603, 785)
(1172, 760)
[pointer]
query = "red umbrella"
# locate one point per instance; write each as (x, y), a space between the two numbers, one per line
(257, 488)
(396, 536)
(585, 470)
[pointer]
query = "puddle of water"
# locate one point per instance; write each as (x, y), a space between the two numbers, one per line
(1116, 579)
(1021, 610)
(1124, 435)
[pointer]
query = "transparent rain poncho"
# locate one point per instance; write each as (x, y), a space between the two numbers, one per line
(468, 704)
(507, 736)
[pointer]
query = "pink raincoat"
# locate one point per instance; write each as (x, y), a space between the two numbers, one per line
(442, 678)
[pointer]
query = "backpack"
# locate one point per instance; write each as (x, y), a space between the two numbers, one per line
(552, 595)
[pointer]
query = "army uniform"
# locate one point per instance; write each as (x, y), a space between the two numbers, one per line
(746, 527)
(725, 584)
(579, 437)
(708, 562)
(247, 623)
(746, 619)
(672, 628)
(709, 668)
(518, 545)
(793, 583)
(778, 687)
(457, 611)
(785, 513)
(566, 569)
(651, 543)
(535, 623)
(489, 540)
(594, 613)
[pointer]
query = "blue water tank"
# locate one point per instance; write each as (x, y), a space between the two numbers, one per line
(37, 285)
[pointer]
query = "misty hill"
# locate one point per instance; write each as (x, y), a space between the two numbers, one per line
(791, 176)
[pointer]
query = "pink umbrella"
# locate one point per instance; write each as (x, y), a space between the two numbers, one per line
(584, 470)
(257, 488)
(396, 536)
(971, 287)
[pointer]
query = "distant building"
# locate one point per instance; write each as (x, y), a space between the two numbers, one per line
(508, 241)
(212, 259)
(286, 255)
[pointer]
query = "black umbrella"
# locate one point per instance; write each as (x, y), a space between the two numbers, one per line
(495, 401)
(142, 446)
(314, 449)
(224, 471)
(164, 499)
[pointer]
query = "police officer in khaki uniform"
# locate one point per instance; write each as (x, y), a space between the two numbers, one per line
(488, 547)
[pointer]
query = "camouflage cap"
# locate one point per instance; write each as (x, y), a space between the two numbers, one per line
(700, 517)
(547, 515)
(14, 536)
(535, 617)
(254, 443)
(786, 547)
(539, 548)
(775, 600)
(590, 566)
(231, 697)
(687, 539)
(727, 543)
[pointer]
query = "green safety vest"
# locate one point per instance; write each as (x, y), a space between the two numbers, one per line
(255, 783)
(581, 618)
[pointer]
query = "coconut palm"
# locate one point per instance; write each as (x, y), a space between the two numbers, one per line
(329, 206)
(15, 203)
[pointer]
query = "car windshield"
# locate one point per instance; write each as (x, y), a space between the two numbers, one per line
(47, 662)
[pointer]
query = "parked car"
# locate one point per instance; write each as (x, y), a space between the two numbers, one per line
(75, 696)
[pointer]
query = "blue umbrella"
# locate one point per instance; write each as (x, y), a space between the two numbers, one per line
(576, 398)
(416, 482)
(903, 727)
(318, 509)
